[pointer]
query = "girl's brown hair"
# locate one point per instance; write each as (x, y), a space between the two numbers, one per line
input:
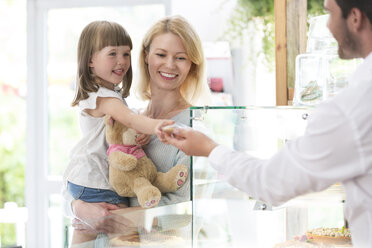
(94, 37)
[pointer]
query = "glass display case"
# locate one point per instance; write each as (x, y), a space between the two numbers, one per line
(219, 215)
(320, 76)
(320, 73)
(226, 217)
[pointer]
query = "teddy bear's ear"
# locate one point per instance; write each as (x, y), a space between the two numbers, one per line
(111, 121)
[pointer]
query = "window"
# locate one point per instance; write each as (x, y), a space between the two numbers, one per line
(12, 121)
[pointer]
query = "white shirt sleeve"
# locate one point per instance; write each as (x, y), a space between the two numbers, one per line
(326, 154)
(91, 101)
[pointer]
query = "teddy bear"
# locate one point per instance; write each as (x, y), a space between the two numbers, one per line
(132, 173)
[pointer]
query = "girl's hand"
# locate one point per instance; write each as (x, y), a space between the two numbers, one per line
(159, 128)
(143, 139)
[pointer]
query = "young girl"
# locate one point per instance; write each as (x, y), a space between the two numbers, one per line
(104, 64)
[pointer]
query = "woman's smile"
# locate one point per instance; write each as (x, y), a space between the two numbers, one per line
(168, 76)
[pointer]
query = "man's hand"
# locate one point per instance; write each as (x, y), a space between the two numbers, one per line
(190, 141)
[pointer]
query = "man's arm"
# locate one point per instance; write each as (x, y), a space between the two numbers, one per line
(191, 142)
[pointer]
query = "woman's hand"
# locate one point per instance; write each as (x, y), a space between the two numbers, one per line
(97, 218)
(143, 139)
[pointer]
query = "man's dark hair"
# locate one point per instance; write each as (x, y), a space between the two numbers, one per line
(364, 5)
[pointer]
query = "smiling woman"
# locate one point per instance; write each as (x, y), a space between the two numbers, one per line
(174, 41)
(172, 79)
(168, 63)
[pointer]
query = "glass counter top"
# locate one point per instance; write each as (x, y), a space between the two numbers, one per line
(220, 215)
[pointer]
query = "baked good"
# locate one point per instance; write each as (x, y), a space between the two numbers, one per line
(148, 240)
(321, 238)
(129, 240)
(312, 92)
(331, 236)
(168, 129)
(171, 128)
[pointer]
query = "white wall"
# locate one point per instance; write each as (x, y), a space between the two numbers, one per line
(253, 84)
(208, 17)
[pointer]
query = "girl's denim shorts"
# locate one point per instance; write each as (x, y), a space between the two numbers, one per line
(95, 195)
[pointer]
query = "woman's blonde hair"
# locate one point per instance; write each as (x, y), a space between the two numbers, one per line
(94, 37)
(194, 84)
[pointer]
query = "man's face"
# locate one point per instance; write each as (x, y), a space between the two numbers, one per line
(347, 43)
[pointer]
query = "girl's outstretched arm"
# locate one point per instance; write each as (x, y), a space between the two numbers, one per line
(120, 112)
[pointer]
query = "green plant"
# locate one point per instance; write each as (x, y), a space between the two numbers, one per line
(12, 149)
(260, 13)
(7, 234)
(315, 7)
(12, 163)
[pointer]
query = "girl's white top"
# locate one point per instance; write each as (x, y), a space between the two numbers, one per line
(88, 160)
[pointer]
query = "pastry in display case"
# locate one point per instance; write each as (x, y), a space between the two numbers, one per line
(321, 237)
(147, 240)
(320, 73)
(219, 215)
(320, 76)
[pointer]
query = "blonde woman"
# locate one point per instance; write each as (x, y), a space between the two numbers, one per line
(171, 80)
